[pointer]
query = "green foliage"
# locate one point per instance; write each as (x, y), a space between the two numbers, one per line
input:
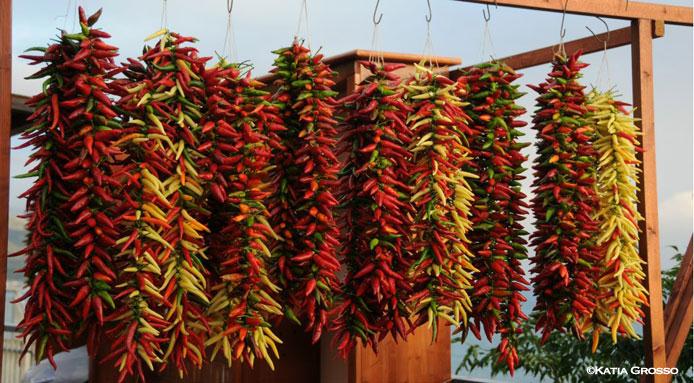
(564, 359)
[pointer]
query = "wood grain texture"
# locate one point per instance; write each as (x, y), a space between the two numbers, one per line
(5, 128)
(299, 362)
(414, 361)
(678, 311)
(617, 9)
(649, 245)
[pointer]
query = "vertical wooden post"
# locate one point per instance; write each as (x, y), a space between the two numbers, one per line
(649, 247)
(5, 122)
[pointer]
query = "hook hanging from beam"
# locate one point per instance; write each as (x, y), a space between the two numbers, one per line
(562, 30)
(607, 28)
(487, 15)
(428, 17)
(377, 21)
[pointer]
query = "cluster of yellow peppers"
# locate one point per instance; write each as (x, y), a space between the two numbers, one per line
(621, 292)
(442, 198)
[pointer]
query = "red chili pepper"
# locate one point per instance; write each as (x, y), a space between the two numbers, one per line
(306, 175)
(377, 213)
(563, 238)
(63, 236)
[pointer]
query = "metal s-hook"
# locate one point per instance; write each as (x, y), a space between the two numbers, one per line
(607, 27)
(428, 17)
(562, 30)
(377, 21)
(488, 15)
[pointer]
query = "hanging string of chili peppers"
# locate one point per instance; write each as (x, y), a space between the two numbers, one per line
(302, 209)
(621, 291)
(136, 326)
(238, 164)
(442, 198)
(566, 258)
(169, 102)
(71, 232)
(377, 212)
(496, 238)
(184, 141)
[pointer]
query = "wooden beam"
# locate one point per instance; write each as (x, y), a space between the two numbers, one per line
(678, 311)
(618, 38)
(616, 9)
(5, 127)
(649, 245)
(590, 44)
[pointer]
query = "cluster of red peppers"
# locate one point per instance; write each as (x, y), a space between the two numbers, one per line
(161, 316)
(377, 213)
(72, 205)
(241, 132)
(306, 176)
(496, 238)
(199, 209)
(565, 264)
(442, 198)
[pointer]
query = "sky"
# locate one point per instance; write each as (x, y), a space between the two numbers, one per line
(336, 26)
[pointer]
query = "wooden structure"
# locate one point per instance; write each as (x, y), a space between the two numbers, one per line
(678, 310)
(416, 360)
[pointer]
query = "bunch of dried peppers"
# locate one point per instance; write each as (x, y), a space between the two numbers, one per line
(306, 175)
(566, 258)
(70, 208)
(621, 291)
(442, 198)
(240, 134)
(496, 214)
(377, 213)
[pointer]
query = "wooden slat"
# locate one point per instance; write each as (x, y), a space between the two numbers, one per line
(19, 103)
(618, 38)
(590, 44)
(649, 246)
(5, 127)
(676, 295)
(417, 360)
(299, 361)
(616, 9)
(678, 311)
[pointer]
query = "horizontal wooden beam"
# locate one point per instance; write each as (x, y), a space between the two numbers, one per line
(617, 9)
(618, 38)
(678, 311)
(20, 112)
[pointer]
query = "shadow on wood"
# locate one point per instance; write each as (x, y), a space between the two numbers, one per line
(299, 362)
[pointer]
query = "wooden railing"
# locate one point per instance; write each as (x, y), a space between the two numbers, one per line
(678, 310)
